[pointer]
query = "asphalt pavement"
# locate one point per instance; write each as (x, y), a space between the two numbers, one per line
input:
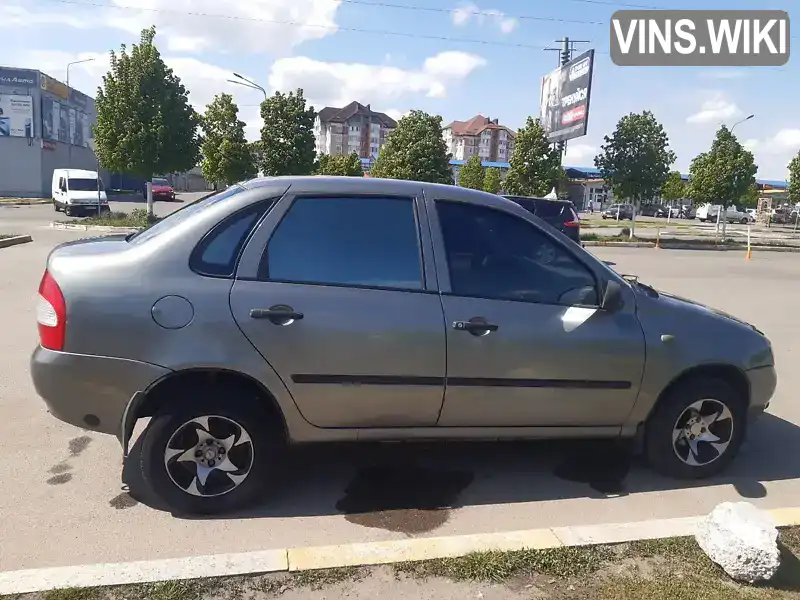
(67, 499)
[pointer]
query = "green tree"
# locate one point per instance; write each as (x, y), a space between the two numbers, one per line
(227, 157)
(635, 160)
(145, 124)
(535, 163)
(492, 181)
(794, 180)
(471, 173)
(347, 165)
(287, 138)
(674, 187)
(723, 175)
(415, 150)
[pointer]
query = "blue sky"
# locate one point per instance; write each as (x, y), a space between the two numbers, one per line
(456, 79)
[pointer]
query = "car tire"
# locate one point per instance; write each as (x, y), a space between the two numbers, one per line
(671, 453)
(743, 221)
(258, 446)
(68, 210)
(55, 206)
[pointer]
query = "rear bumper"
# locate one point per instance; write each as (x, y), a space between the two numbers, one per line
(91, 392)
(762, 386)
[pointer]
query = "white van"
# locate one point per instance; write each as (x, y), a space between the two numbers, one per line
(75, 190)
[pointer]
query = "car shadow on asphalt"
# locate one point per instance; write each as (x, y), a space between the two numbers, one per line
(411, 488)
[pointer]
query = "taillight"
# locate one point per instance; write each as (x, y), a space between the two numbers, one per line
(574, 222)
(51, 314)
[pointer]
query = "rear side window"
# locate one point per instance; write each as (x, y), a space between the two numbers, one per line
(218, 252)
(347, 241)
(184, 213)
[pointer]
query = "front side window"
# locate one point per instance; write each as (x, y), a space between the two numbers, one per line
(493, 254)
(350, 241)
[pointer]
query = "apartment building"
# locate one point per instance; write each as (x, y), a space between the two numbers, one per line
(354, 128)
(482, 136)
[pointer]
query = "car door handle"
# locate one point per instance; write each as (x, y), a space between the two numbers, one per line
(276, 314)
(477, 326)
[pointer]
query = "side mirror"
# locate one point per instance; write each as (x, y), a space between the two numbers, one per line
(612, 298)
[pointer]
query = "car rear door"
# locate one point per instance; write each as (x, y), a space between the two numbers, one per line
(527, 344)
(338, 293)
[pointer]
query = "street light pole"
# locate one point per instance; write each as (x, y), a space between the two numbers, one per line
(247, 83)
(69, 142)
(747, 118)
(735, 182)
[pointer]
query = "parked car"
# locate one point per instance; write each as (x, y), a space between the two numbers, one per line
(561, 214)
(619, 211)
(162, 189)
(653, 210)
(312, 309)
(709, 212)
(77, 191)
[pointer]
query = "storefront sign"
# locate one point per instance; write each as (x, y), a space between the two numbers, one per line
(55, 87)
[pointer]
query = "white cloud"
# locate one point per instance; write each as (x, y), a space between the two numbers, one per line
(272, 26)
(332, 83)
(453, 64)
(773, 153)
(395, 113)
(580, 154)
(716, 109)
(469, 11)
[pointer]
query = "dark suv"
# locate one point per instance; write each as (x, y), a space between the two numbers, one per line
(561, 214)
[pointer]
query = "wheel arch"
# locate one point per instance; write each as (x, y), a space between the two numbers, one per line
(163, 390)
(730, 374)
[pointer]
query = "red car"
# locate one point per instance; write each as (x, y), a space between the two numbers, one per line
(162, 190)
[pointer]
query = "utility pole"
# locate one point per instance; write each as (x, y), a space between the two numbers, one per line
(565, 55)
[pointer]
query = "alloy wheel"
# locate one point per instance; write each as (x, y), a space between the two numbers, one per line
(703, 432)
(209, 456)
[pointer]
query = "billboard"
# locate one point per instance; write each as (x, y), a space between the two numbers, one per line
(565, 99)
(16, 116)
(61, 123)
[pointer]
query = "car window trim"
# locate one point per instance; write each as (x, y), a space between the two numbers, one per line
(265, 205)
(553, 240)
(264, 277)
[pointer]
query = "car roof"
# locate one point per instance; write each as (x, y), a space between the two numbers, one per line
(77, 173)
(318, 184)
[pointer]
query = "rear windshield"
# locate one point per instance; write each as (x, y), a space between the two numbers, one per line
(184, 213)
(83, 185)
(553, 210)
(160, 182)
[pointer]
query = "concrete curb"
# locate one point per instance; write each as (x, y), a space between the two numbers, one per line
(669, 245)
(103, 228)
(23, 202)
(15, 241)
(358, 554)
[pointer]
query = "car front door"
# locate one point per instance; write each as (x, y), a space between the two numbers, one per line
(527, 343)
(332, 291)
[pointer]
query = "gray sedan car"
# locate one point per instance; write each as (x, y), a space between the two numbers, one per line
(312, 309)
